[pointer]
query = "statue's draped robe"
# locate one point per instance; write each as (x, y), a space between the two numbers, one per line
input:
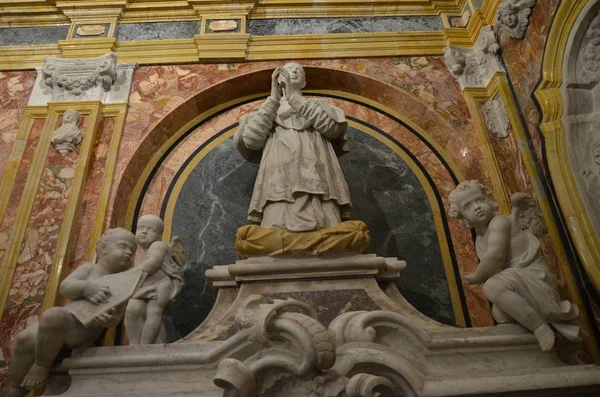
(300, 185)
(530, 278)
(175, 273)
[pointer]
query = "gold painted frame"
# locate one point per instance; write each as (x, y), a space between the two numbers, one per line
(551, 101)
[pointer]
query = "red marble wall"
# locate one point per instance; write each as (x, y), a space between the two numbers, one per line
(523, 60)
(15, 88)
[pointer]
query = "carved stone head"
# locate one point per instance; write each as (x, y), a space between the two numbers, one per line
(116, 249)
(513, 17)
(297, 75)
(471, 202)
(69, 133)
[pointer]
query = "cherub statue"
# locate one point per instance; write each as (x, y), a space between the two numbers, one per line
(163, 265)
(513, 17)
(514, 276)
(69, 133)
(37, 346)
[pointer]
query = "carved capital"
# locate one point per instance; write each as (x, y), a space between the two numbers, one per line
(80, 79)
(475, 67)
(365, 385)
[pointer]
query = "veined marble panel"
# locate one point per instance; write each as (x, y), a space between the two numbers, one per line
(157, 30)
(33, 35)
(269, 27)
(386, 194)
(91, 194)
(15, 88)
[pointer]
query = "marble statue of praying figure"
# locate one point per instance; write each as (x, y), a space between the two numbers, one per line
(515, 278)
(98, 293)
(69, 133)
(162, 264)
(300, 186)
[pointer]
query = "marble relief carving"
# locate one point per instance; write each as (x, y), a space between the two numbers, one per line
(590, 56)
(79, 79)
(496, 117)
(475, 67)
(582, 119)
(513, 18)
(69, 134)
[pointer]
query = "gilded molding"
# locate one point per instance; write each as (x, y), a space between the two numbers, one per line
(9, 261)
(551, 102)
(14, 161)
(71, 215)
(87, 48)
(119, 111)
(47, 12)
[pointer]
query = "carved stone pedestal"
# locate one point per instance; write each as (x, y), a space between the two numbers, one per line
(326, 327)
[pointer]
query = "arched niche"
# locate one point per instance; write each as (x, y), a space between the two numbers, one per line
(581, 115)
(569, 102)
(206, 104)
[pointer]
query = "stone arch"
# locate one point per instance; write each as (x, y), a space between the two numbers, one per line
(569, 99)
(254, 83)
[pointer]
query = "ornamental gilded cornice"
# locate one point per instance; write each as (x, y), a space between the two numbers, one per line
(50, 12)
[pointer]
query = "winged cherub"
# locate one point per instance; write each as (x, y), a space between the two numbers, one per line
(513, 17)
(514, 276)
(163, 265)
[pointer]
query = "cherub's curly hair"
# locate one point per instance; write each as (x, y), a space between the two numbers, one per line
(110, 233)
(464, 186)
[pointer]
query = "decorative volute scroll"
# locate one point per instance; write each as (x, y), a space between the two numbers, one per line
(365, 385)
(80, 79)
(475, 67)
(513, 18)
(303, 345)
(69, 134)
(496, 117)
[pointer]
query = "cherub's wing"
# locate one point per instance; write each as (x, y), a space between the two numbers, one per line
(529, 4)
(527, 215)
(177, 250)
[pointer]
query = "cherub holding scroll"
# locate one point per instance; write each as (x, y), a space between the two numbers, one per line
(98, 297)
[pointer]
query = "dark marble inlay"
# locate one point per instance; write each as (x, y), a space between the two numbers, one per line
(157, 30)
(32, 36)
(330, 304)
(269, 27)
(386, 195)
(479, 3)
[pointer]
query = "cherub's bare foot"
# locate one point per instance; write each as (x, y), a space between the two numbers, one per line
(17, 392)
(545, 337)
(35, 377)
